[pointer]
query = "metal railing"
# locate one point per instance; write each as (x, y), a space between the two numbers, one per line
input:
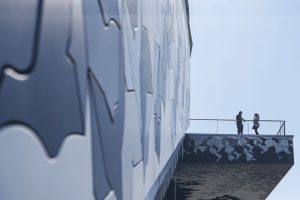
(278, 129)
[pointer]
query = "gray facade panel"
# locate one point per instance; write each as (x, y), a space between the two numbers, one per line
(92, 92)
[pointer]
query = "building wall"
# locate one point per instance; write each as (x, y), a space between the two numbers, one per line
(94, 97)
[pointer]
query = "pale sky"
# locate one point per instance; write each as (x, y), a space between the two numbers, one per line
(246, 56)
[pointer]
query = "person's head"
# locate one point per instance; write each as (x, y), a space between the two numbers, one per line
(256, 115)
(240, 113)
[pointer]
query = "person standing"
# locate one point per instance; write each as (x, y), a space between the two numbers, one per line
(256, 123)
(239, 123)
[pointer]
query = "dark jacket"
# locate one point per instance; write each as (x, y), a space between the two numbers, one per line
(239, 120)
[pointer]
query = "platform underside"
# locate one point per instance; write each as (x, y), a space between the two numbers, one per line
(199, 181)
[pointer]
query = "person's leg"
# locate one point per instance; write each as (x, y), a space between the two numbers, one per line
(239, 130)
(256, 131)
(242, 127)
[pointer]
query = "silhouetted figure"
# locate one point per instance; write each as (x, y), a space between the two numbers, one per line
(256, 123)
(239, 123)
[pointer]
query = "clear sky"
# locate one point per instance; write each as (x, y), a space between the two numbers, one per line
(246, 56)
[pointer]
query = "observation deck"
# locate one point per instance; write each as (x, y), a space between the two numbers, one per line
(219, 166)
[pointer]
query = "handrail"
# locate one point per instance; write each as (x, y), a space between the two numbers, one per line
(261, 120)
(282, 123)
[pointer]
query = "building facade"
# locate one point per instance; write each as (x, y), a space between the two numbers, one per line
(94, 97)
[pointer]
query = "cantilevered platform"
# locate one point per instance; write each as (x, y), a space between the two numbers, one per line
(219, 166)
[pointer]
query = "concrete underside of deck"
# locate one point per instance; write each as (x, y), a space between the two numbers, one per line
(198, 181)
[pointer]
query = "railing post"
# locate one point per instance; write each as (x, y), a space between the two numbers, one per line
(279, 132)
(284, 127)
(248, 126)
(217, 126)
